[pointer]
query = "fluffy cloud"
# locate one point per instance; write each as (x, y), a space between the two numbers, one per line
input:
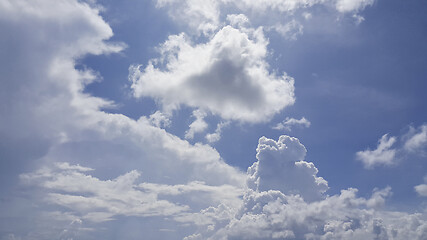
(216, 136)
(279, 209)
(232, 62)
(416, 139)
(422, 188)
(199, 125)
(281, 166)
(390, 149)
(288, 123)
(164, 183)
(160, 119)
(383, 155)
(273, 215)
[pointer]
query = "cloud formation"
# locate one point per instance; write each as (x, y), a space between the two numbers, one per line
(391, 149)
(232, 63)
(262, 211)
(216, 136)
(288, 123)
(416, 139)
(96, 175)
(47, 117)
(281, 211)
(384, 154)
(199, 124)
(422, 188)
(281, 166)
(206, 17)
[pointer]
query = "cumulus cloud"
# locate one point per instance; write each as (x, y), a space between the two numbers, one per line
(216, 136)
(288, 123)
(199, 124)
(383, 155)
(422, 188)
(232, 62)
(276, 212)
(281, 166)
(416, 139)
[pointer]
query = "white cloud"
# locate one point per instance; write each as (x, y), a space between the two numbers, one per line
(383, 155)
(199, 125)
(159, 119)
(307, 15)
(288, 123)
(232, 63)
(358, 19)
(390, 149)
(290, 30)
(161, 178)
(205, 17)
(422, 188)
(46, 117)
(95, 200)
(216, 136)
(281, 166)
(267, 213)
(238, 20)
(352, 5)
(274, 215)
(416, 139)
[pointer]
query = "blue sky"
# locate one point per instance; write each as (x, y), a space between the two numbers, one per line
(166, 119)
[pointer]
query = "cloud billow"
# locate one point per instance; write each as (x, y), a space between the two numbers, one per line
(227, 76)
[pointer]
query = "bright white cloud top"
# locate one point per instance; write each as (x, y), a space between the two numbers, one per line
(73, 169)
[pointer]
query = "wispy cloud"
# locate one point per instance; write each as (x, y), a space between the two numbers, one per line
(289, 123)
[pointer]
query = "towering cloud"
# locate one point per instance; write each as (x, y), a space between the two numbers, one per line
(281, 167)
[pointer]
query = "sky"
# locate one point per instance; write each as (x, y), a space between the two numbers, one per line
(216, 119)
